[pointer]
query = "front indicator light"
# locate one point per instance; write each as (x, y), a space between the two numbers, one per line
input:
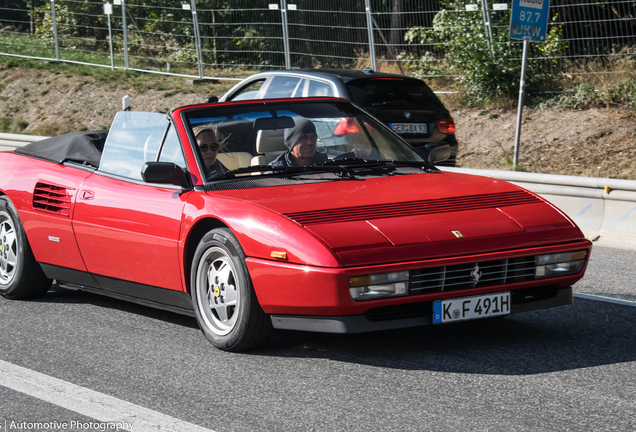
(379, 285)
(560, 264)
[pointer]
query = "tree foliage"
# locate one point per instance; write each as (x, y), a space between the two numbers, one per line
(486, 71)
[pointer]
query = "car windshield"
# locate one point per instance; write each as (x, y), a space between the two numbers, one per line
(375, 92)
(311, 135)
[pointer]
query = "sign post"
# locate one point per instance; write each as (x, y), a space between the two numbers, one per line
(108, 10)
(528, 22)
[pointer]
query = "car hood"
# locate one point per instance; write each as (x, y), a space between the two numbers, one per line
(421, 216)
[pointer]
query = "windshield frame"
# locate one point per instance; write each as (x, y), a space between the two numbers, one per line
(188, 114)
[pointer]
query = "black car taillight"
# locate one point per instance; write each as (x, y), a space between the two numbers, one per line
(346, 126)
(446, 126)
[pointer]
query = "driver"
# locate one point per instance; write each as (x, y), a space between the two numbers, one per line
(301, 142)
(209, 147)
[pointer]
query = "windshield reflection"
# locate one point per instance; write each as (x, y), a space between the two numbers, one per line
(241, 138)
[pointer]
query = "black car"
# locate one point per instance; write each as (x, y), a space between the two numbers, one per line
(407, 105)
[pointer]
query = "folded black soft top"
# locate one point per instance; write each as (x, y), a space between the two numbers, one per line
(82, 147)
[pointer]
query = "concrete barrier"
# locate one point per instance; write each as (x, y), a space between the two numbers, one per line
(605, 209)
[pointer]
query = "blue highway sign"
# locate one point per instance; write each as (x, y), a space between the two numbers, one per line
(529, 20)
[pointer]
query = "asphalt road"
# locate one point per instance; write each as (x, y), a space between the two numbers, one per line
(570, 368)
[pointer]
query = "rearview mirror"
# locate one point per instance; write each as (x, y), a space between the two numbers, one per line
(164, 173)
(273, 123)
(211, 99)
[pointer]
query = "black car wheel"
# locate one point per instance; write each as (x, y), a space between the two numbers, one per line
(20, 275)
(224, 300)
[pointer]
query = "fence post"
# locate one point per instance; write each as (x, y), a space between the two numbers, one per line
(486, 14)
(108, 10)
(197, 38)
(54, 18)
(125, 33)
(367, 4)
(283, 12)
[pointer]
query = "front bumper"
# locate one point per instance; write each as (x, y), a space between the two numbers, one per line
(414, 314)
(291, 290)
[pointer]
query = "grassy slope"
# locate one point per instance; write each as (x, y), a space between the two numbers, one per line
(590, 139)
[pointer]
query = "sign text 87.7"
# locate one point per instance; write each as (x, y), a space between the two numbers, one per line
(530, 17)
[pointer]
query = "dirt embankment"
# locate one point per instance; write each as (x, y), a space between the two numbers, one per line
(594, 142)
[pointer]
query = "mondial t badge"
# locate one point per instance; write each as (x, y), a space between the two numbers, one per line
(407, 115)
(458, 234)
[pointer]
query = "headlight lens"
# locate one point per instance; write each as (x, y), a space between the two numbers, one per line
(560, 264)
(379, 285)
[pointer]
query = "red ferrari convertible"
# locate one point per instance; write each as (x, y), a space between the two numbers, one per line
(285, 214)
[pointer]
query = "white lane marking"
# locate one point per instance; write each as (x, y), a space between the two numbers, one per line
(605, 299)
(89, 403)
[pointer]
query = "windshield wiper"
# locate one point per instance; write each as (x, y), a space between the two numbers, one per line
(268, 169)
(355, 160)
(425, 165)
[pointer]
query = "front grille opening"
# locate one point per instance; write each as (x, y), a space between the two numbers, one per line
(480, 274)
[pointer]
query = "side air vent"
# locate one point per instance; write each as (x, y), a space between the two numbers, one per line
(52, 199)
(411, 208)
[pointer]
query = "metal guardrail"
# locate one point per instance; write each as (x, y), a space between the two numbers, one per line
(12, 141)
(605, 209)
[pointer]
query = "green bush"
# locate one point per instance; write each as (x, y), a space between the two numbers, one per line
(585, 96)
(486, 73)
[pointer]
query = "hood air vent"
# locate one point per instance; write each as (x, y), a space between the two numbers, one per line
(52, 199)
(412, 208)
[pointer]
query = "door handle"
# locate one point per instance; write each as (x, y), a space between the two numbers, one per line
(88, 195)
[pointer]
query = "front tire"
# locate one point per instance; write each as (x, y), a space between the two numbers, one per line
(223, 297)
(21, 276)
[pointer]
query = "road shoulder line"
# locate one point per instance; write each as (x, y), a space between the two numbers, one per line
(89, 403)
(604, 299)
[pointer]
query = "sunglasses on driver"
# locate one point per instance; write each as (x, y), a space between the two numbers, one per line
(211, 147)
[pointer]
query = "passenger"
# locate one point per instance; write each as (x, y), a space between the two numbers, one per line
(206, 137)
(301, 141)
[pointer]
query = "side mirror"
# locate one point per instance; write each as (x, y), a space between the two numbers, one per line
(211, 99)
(164, 173)
(439, 154)
(435, 153)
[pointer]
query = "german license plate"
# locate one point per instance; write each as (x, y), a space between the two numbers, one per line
(468, 308)
(413, 128)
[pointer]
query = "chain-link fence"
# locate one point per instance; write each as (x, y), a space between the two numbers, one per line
(199, 37)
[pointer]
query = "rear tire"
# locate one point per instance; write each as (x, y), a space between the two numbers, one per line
(21, 276)
(223, 297)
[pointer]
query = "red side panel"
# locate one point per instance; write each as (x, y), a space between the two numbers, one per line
(46, 217)
(130, 231)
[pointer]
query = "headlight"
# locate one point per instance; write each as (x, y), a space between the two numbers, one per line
(560, 264)
(379, 285)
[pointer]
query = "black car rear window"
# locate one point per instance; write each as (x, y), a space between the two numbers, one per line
(377, 92)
